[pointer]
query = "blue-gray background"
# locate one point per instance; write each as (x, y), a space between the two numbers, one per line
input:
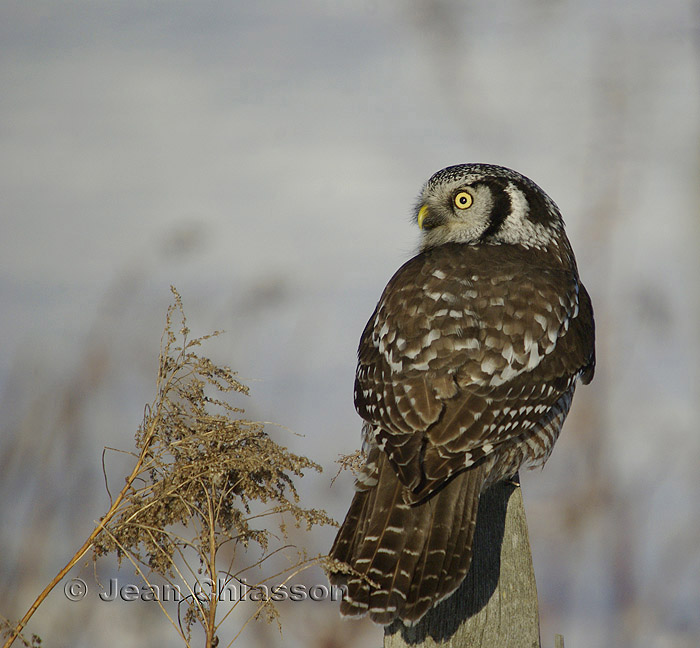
(264, 158)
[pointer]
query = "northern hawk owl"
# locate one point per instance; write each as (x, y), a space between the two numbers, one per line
(466, 371)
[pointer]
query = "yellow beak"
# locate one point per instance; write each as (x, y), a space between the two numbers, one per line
(422, 213)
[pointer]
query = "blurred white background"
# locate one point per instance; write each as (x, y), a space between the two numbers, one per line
(264, 157)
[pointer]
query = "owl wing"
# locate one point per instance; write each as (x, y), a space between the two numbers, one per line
(468, 349)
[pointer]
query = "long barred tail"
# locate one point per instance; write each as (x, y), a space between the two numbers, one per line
(414, 554)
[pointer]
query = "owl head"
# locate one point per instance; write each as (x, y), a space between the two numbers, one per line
(485, 204)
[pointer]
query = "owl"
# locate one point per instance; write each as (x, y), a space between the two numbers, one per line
(466, 371)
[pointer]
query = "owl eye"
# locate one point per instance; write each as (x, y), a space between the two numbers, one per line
(463, 200)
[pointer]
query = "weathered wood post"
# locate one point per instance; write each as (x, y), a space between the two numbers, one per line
(496, 605)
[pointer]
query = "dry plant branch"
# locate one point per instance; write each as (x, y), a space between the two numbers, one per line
(202, 475)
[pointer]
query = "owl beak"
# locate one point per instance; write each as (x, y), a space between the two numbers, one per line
(422, 213)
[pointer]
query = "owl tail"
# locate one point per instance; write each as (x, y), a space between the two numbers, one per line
(408, 557)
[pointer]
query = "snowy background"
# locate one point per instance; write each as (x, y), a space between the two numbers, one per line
(264, 158)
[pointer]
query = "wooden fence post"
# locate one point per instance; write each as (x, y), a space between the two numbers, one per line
(496, 605)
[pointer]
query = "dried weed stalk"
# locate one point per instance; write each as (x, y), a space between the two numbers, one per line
(203, 478)
(353, 462)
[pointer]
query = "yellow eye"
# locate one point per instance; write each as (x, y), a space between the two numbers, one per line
(463, 200)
